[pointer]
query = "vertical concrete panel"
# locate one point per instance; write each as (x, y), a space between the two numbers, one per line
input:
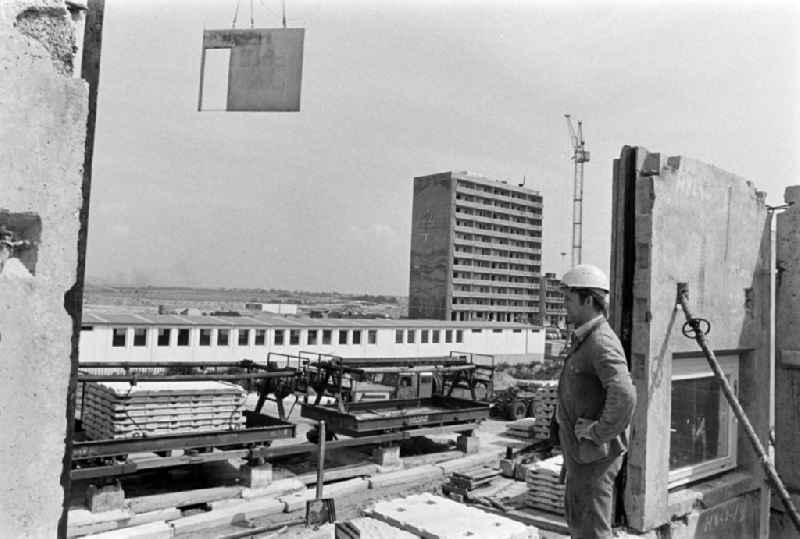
(701, 225)
(787, 343)
(431, 256)
(43, 113)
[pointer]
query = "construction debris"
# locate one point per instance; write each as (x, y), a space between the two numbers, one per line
(462, 483)
(114, 410)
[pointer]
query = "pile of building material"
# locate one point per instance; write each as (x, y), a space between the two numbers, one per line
(523, 428)
(544, 406)
(545, 490)
(462, 483)
(427, 515)
(113, 410)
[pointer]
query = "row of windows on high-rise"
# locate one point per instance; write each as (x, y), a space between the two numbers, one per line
(502, 216)
(493, 240)
(499, 191)
(534, 305)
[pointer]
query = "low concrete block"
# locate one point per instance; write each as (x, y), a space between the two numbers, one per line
(256, 476)
(275, 489)
(472, 461)
(507, 467)
(435, 517)
(405, 476)
(228, 515)
(105, 498)
(468, 443)
(297, 501)
(83, 521)
(387, 456)
(152, 530)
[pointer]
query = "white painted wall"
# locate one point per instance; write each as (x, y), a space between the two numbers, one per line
(96, 344)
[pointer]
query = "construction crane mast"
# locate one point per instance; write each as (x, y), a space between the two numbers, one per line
(580, 155)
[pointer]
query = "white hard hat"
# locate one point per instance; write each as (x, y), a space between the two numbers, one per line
(586, 276)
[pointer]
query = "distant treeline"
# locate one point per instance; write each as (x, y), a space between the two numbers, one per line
(245, 294)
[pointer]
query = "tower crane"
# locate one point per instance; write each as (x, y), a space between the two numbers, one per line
(580, 155)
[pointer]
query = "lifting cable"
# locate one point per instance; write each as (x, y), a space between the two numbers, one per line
(235, 14)
(698, 328)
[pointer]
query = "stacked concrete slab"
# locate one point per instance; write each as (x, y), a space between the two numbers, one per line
(545, 491)
(114, 410)
(544, 405)
(436, 517)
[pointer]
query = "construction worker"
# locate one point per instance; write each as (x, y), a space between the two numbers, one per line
(596, 399)
(10, 266)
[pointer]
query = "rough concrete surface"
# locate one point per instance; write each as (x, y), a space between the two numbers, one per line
(43, 114)
(787, 357)
(423, 515)
(703, 226)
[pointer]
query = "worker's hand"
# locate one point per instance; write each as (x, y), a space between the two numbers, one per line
(583, 428)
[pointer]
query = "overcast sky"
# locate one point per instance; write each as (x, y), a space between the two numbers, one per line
(321, 199)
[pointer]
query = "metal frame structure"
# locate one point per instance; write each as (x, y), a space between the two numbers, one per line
(335, 376)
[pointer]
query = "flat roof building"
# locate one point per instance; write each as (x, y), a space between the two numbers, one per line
(476, 250)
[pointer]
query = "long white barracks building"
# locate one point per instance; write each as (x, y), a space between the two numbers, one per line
(162, 337)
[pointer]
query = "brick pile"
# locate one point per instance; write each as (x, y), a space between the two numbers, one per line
(545, 492)
(114, 410)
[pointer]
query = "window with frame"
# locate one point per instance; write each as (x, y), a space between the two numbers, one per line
(398, 336)
(435, 336)
(183, 337)
(460, 335)
(140, 336)
(342, 336)
(448, 335)
(372, 336)
(423, 338)
(260, 337)
(703, 428)
(294, 337)
(223, 337)
(278, 340)
(244, 337)
(312, 337)
(410, 336)
(356, 336)
(162, 337)
(118, 337)
(205, 337)
(327, 336)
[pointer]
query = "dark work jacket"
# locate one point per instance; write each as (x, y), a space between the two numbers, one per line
(595, 384)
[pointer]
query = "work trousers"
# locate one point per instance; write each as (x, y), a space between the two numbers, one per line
(589, 497)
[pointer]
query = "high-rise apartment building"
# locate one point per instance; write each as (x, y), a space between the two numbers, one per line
(476, 249)
(552, 302)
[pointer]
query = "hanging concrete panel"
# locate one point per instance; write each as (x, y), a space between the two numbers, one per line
(265, 67)
(677, 220)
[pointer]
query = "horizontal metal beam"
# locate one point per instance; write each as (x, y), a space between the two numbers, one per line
(135, 377)
(260, 452)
